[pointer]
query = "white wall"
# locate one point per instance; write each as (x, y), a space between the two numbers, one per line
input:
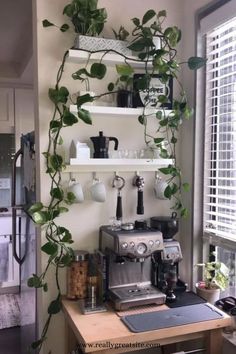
(84, 220)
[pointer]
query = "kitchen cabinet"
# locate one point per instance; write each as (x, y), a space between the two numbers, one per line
(6, 110)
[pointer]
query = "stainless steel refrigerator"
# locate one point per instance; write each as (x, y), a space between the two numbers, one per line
(24, 234)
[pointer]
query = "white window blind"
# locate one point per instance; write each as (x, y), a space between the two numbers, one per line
(220, 133)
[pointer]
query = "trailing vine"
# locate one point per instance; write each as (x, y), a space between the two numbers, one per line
(162, 60)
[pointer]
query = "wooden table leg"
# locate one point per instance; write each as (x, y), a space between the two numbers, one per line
(214, 341)
(70, 340)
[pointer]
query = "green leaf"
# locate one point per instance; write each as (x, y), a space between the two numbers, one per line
(45, 154)
(36, 344)
(34, 282)
(66, 259)
(162, 98)
(60, 141)
(157, 141)
(141, 119)
(136, 21)
(64, 27)
(98, 70)
(184, 212)
(195, 63)
(186, 187)
(69, 118)
(168, 192)
(56, 162)
(161, 13)
(40, 217)
(124, 70)
(173, 140)
(67, 238)
(85, 116)
(45, 287)
(63, 210)
(58, 96)
(57, 193)
(110, 87)
(84, 99)
(163, 122)
(55, 124)
(166, 170)
(54, 307)
(174, 188)
(46, 23)
(70, 198)
(138, 45)
(50, 248)
(164, 154)
(68, 10)
(159, 114)
(35, 207)
(148, 16)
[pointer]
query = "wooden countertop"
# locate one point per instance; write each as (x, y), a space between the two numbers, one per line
(106, 327)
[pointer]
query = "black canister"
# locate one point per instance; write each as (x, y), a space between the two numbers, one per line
(167, 225)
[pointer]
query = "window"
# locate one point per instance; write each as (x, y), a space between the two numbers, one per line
(220, 132)
(217, 41)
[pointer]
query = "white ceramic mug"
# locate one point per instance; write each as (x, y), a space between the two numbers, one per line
(159, 188)
(77, 190)
(98, 191)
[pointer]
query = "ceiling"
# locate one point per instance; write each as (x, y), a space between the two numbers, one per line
(15, 37)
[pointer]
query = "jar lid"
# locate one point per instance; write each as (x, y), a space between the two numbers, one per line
(81, 255)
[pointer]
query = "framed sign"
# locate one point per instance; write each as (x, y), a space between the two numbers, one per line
(149, 98)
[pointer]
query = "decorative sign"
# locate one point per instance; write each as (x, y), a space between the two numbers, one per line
(149, 98)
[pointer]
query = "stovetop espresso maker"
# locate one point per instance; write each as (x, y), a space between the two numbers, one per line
(101, 145)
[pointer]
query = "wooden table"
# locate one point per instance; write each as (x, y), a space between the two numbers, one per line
(104, 333)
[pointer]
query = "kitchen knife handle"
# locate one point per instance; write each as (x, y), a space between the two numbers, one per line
(140, 207)
(119, 208)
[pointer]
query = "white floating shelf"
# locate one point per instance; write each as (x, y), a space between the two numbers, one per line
(80, 56)
(111, 165)
(117, 111)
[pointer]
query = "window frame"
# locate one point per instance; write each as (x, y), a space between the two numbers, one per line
(202, 241)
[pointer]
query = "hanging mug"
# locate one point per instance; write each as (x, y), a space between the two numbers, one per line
(77, 190)
(159, 188)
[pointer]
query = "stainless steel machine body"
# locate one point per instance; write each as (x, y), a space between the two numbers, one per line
(129, 266)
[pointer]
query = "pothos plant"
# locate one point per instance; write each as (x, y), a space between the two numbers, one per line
(156, 60)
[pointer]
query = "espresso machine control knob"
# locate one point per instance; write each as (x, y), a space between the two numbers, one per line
(151, 243)
(141, 248)
(124, 245)
(132, 244)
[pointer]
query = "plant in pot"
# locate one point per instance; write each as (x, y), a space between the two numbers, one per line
(123, 85)
(88, 21)
(215, 279)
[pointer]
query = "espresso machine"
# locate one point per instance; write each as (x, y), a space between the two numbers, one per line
(129, 265)
(166, 262)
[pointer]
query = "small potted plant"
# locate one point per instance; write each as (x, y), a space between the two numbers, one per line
(215, 279)
(123, 85)
(88, 22)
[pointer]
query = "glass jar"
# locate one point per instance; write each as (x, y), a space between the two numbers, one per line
(77, 276)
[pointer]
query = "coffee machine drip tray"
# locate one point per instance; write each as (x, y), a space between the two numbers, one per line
(124, 297)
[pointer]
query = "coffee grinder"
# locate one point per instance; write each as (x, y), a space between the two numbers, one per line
(166, 262)
(129, 266)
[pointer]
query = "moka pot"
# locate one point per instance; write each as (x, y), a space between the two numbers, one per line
(101, 145)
